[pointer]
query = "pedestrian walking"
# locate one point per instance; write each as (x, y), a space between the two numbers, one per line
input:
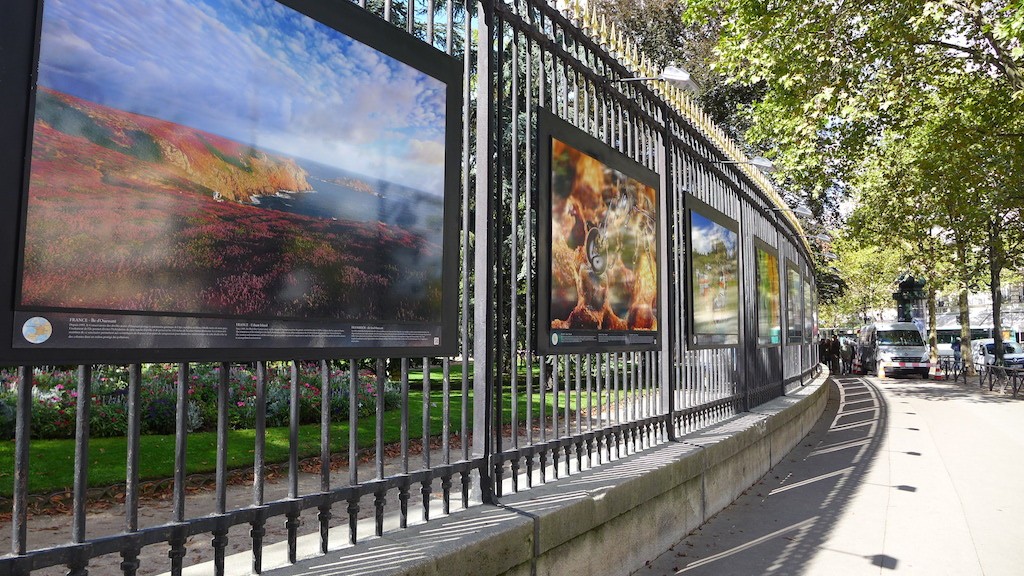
(846, 355)
(834, 350)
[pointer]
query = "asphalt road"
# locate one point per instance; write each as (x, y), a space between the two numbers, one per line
(902, 476)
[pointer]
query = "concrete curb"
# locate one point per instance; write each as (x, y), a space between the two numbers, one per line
(605, 520)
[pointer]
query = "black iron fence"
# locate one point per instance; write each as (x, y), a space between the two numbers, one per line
(1006, 378)
(499, 416)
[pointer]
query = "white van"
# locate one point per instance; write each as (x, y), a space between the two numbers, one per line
(897, 348)
(984, 352)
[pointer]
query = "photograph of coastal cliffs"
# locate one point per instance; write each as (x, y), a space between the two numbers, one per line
(230, 159)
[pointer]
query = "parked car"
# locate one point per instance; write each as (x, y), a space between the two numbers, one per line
(897, 348)
(984, 352)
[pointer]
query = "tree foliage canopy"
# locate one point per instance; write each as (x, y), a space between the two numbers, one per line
(839, 74)
(913, 109)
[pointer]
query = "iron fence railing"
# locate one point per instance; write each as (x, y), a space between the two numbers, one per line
(498, 417)
(990, 375)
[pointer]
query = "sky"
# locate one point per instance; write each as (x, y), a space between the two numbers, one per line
(254, 71)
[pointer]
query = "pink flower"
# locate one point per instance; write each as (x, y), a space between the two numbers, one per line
(240, 403)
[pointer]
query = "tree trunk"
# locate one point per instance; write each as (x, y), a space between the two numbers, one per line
(965, 331)
(995, 268)
(933, 341)
(963, 304)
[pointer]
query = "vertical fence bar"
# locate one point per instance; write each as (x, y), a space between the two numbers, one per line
(381, 491)
(601, 419)
(514, 252)
(555, 432)
(567, 420)
(545, 377)
(130, 553)
(590, 408)
(501, 288)
(224, 380)
(177, 540)
(77, 566)
(403, 489)
(567, 379)
(556, 370)
(324, 515)
(579, 395)
(353, 450)
(449, 26)
(220, 533)
(485, 250)
(292, 515)
(446, 431)
(464, 342)
(22, 434)
(430, 19)
(528, 256)
(257, 532)
(425, 485)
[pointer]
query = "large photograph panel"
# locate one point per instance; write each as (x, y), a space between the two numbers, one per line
(794, 302)
(714, 281)
(769, 306)
(217, 159)
(810, 328)
(602, 277)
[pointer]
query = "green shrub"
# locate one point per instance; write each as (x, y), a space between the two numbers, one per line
(53, 418)
(53, 414)
(107, 420)
(278, 406)
(8, 415)
(159, 414)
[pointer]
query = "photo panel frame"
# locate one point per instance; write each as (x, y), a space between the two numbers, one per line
(216, 180)
(598, 245)
(769, 294)
(794, 304)
(714, 276)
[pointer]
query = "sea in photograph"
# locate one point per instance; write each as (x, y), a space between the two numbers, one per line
(339, 194)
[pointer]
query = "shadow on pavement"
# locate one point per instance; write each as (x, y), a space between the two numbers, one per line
(778, 525)
(946, 390)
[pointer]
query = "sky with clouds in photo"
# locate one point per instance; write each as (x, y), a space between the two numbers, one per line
(707, 235)
(256, 72)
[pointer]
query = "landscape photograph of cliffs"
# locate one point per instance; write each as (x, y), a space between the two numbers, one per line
(253, 162)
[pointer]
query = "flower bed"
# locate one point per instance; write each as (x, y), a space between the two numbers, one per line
(54, 398)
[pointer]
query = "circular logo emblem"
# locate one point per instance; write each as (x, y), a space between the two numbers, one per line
(554, 339)
(37, 330)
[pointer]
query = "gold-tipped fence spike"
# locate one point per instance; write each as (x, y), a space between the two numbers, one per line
(576, 12)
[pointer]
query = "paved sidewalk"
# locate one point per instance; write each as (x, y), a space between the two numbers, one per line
(899, 476)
